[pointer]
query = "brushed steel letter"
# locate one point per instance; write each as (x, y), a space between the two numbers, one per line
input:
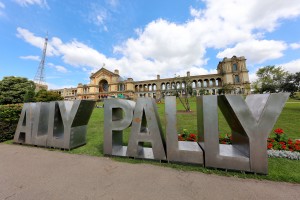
(215, 154)
(251, 122)
(179, 151)
(118, 115)
(68, 123)
(146, 127)
(23, 130)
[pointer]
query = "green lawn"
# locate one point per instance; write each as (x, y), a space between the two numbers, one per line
(279, 169)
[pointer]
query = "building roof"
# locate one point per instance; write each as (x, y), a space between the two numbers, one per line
(93, 75)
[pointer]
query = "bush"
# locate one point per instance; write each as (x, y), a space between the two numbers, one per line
(9, 117)
(186, 136)
(281, 142)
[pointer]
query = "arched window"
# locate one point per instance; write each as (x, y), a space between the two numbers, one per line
(103, 86)
(154, 87)
(236, 79)
(121, 87)
(205, 83)
(168, 86)
(234, 67)
(200, 83)
(173, 85)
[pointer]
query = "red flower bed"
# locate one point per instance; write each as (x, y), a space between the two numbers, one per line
(281, 142)
(277, 142)
(278, 131)
(186, 136)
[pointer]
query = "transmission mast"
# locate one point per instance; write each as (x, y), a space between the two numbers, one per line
(39, 78)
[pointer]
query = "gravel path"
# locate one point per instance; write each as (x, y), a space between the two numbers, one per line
(34, 173)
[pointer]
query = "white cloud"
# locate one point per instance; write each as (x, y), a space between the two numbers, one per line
(295, 45)
(252, 76)
(101, 16)
(61, 69)
(194, 12)
(100, 19)
(256, 51)
(113, 3)
(235, 27)
(292, 66)
(36, 58)
(78, 54)
(24, 3)
(37, 41)
(58, 67)
(84, 69)
(52, 86)
(74, 53)
(2, 5)
(253, 14)
(98, 15)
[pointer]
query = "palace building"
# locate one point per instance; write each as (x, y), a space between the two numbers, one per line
(232, 74)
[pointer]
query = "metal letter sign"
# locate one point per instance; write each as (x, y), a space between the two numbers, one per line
(250, 120)
(216, 155)
(117, 117)
(60, 124)
(179, 151)
(146, 127)
(63, 124)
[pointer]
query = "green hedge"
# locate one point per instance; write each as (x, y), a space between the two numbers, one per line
(9, 117)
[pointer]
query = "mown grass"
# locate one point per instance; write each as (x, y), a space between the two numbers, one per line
(279, 169)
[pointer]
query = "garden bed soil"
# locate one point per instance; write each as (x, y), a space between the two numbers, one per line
(185, 112)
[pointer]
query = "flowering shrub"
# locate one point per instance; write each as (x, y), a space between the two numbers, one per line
(192, 137)
(225, 140)
(186, 136)
(278, 142)
(281, 142)
(278, 131)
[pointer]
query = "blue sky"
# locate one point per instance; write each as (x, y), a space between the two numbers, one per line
(144, 38)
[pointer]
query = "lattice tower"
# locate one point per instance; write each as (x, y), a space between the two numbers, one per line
(40, 76)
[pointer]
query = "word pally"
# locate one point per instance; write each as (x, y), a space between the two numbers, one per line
(251, 121)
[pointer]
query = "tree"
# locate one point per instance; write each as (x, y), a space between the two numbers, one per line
(13, 89)
(270, 79)
(226, 89)
(45, 96)
(184, 92)
(297, 80)
(202, 92)
(291, 84)
(29, 96)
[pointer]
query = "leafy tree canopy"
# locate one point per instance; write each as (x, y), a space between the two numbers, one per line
(275, 79)
(226, 89)
(270, 79)
(45, 96)
(13, 89)
(291, 84)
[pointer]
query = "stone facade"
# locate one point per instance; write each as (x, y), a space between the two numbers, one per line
(231, 73)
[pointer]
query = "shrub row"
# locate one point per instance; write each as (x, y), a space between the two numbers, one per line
(9, 117)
